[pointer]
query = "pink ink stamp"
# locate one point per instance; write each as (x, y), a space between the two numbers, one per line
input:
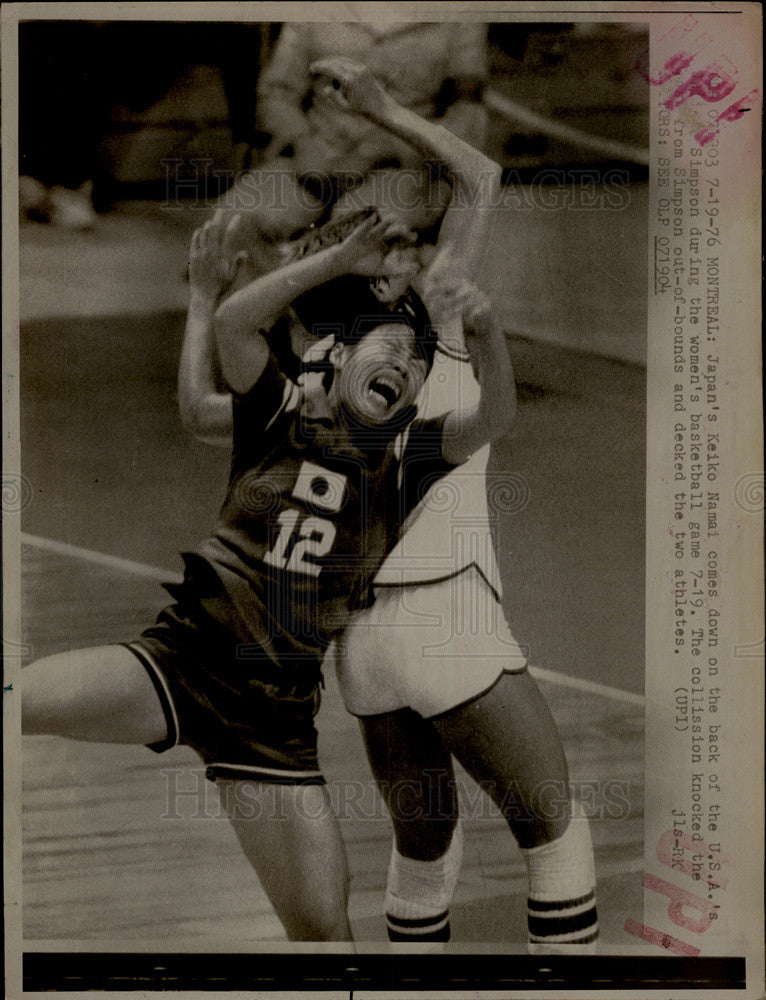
(686, 854)
(713, 82)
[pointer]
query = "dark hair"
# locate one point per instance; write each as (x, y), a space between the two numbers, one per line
(348, 308)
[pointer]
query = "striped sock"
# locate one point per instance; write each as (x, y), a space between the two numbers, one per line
(561, 908)
(432, 928)
(418, 893)
(563, 922)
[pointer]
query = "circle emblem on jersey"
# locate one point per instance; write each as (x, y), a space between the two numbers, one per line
(320, 487)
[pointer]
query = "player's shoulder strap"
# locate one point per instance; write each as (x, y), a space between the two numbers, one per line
(291, 399)
(400, 446)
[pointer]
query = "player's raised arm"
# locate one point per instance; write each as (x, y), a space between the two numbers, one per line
(205, 412)
(475, 177)
(468, 430)
(239, 320)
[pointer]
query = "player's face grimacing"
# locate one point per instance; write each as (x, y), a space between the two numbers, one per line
(380, 375)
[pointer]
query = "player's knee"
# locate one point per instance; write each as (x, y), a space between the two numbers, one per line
(542, 817)
(426, 840)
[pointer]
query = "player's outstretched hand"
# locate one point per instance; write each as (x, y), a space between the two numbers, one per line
(376, 247)
(212, 261)
(444, 293)
(350, 86)
(449, 297)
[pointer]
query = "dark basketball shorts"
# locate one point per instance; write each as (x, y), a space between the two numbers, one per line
(245, 716)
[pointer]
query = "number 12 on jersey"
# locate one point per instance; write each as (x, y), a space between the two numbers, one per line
(299, 542)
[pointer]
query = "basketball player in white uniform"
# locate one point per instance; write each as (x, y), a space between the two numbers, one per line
(431, 668)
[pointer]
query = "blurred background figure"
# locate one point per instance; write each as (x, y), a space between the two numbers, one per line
(61, 118)
(162, 118)
(316, 153)
(104, 107)
(174, 112)
(436, 70)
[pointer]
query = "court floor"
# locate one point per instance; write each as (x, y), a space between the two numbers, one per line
(124, 848)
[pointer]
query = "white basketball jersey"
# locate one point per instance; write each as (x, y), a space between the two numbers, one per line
(449, 530)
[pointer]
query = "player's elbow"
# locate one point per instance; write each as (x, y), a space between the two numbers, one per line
(483, 180)
(206, 417)
(192, 418)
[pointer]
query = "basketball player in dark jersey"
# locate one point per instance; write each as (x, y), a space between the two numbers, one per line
(321, 480)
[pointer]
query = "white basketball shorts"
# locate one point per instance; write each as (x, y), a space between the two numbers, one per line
(431, 647)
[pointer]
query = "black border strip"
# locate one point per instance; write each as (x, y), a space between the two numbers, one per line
(51, 971)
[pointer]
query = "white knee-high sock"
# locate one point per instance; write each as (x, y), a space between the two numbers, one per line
(418, 893)
(561, 908)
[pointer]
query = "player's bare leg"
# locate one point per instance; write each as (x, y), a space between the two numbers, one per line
(102, 694)
(505, 737)
(291, 837)
(105, 695)
(414, 773)
(508, 742)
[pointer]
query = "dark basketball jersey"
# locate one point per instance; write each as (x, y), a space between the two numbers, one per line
(307, 520)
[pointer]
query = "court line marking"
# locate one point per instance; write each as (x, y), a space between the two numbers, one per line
(100, 558)
(167, 576)
(590, 687)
